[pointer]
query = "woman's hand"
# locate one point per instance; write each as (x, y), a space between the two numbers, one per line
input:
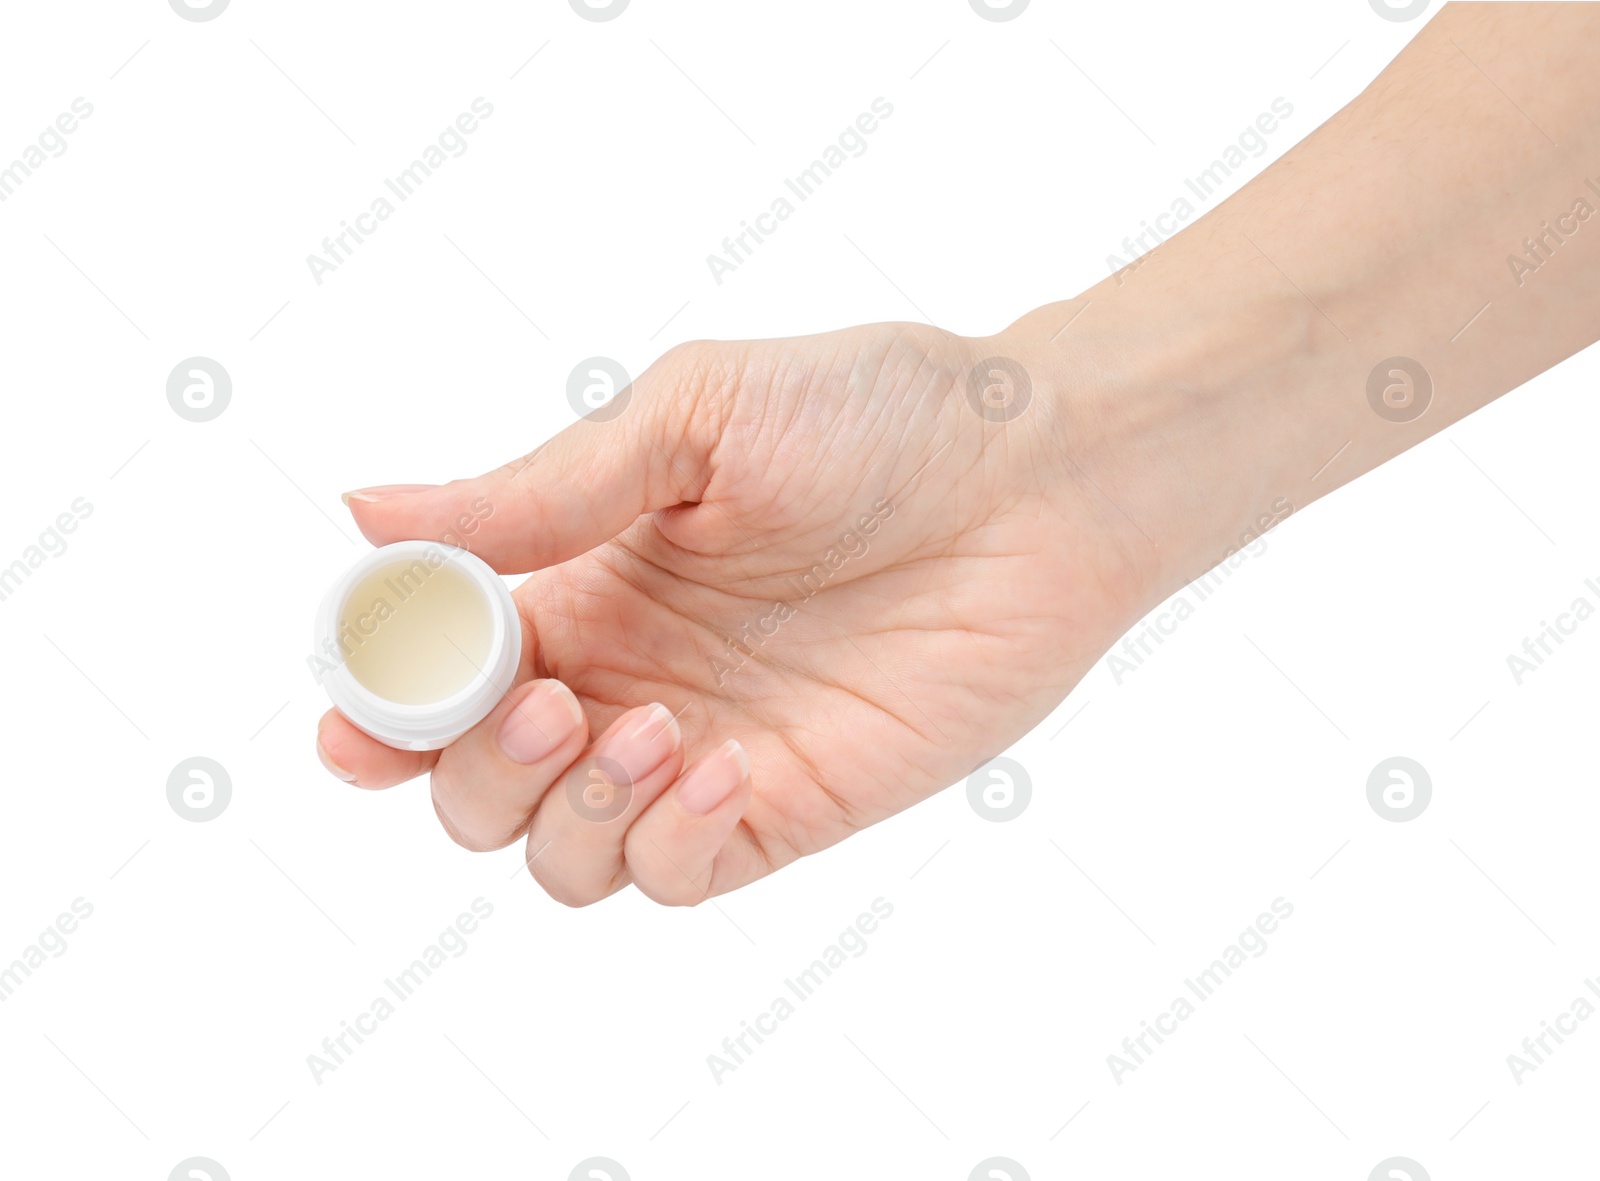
(874, 558)
(792, 588)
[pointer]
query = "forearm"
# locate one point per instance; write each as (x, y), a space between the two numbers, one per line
(1228, 372)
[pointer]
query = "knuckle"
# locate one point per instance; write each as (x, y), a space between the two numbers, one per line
(666, 892)
(567, 898)
(658, 879)
(687, 355)
(563, 890)
(445, 822)
(697, 370)
(477, 842)
(461, 827)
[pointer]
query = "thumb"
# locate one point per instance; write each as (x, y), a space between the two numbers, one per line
(582, 488)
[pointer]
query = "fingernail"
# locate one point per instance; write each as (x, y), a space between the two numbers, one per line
(337, 771)
(645, 744)
(383, 492)
(717, 777)
(540, 723)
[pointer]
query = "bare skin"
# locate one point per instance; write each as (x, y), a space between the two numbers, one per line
(856, 566)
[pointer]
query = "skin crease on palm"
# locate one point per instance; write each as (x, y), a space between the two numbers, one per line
(1169, 406)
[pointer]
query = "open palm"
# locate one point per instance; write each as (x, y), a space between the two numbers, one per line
(861, 556)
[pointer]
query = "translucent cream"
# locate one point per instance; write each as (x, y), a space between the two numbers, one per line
(416, 643)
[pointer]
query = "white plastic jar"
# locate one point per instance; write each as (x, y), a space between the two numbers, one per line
(416, 643)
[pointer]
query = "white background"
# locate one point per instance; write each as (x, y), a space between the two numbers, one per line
(978, 1022)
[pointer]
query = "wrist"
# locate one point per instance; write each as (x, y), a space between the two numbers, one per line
(1194, 425)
